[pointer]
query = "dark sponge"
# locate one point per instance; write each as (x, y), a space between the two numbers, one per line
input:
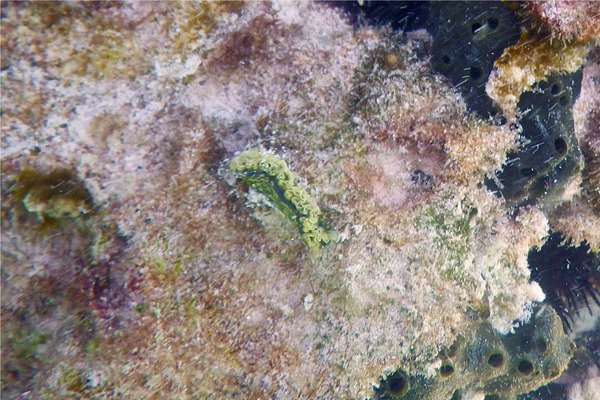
(467, 39)
(549, 155)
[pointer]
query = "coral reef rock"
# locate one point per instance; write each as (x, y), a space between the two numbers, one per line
(150, 251)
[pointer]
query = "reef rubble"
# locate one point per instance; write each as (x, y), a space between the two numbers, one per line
(136, 265)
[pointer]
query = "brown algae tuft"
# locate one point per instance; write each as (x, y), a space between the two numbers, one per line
(53, 197)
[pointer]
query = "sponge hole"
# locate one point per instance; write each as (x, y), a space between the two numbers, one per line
(525, 367)
(560, 146)
(446, 59)
(492, 23)
(556, 89)
(397, 383)
(528, 172)
(496, 360)
(484, 313)
(475, 27)
(475, 73)
(563, 100)
(446, 370)
(457, 395)
(452, 350)
(541, 345)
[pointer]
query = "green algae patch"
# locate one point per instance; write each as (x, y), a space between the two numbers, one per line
(55, 196)
(271, 176)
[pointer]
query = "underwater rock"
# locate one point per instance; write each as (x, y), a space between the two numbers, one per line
(549, 156)
(60, 260)
(491, 364)
(565, 20)
(468, 38)
(206, 298)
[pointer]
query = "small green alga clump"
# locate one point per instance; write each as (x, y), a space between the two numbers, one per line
(271, 176)
(55, 196)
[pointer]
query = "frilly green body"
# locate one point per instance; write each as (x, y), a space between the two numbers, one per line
(271, 176)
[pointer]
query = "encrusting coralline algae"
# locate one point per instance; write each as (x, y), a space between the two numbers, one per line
(179, 282)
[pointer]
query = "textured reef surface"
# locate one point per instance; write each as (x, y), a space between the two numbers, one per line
(277, 200)
(497, 365)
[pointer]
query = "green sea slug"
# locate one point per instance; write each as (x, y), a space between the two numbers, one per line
(271, 176)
